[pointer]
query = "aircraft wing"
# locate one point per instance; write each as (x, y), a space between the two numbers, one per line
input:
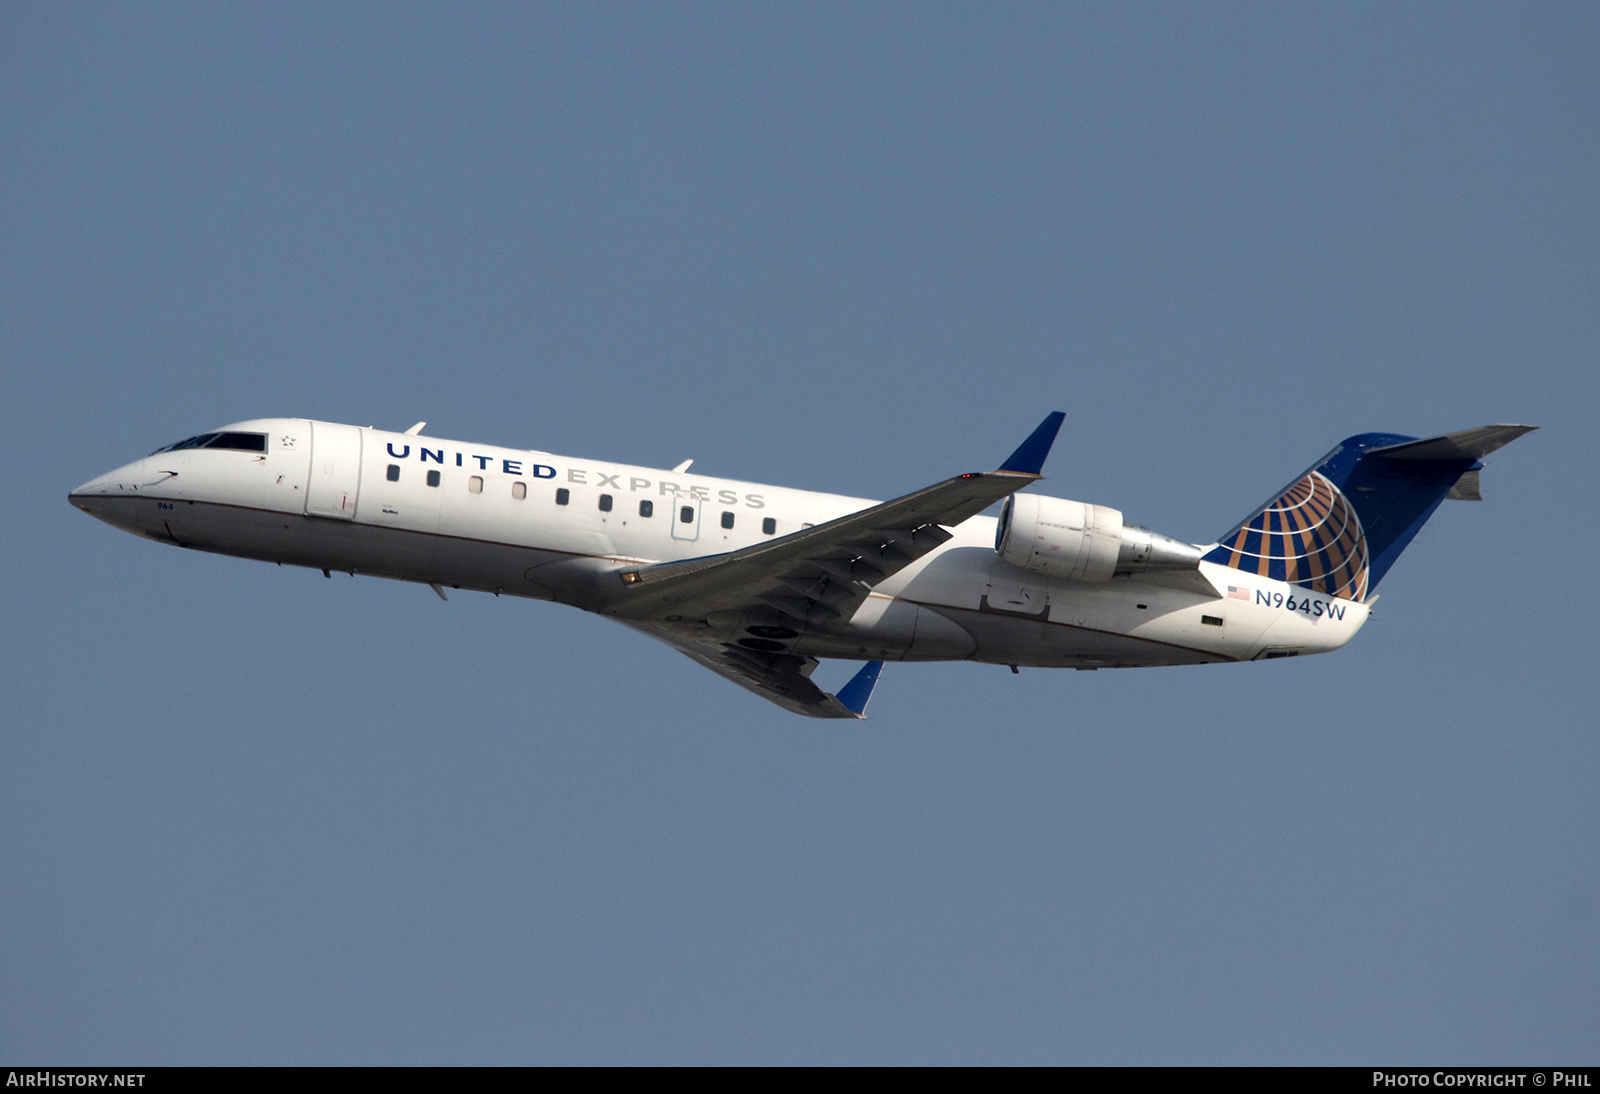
(822, 574)
(813, 576)
(781, 678)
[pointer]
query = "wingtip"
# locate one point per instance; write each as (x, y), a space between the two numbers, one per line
(1029, 457)
(854, 695)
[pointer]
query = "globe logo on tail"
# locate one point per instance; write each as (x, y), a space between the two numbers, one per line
(1308, 536)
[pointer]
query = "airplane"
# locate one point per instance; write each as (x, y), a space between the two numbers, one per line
(759, 583)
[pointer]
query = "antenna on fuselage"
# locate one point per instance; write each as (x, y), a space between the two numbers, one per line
(682, 467)
(416, 429)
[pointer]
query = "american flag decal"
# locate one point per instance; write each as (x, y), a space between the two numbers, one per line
(1236, 593)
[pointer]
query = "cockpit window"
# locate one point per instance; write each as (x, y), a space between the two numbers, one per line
(246, 442)
(192, 442)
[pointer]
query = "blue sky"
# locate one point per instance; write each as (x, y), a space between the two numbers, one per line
(255, 816)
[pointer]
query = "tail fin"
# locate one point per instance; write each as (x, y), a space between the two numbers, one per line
(1339, 526)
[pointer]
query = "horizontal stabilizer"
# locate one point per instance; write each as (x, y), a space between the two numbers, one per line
(1466, 488)
(1468, 444)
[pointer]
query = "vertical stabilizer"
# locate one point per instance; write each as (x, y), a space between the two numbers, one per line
(1339, 526)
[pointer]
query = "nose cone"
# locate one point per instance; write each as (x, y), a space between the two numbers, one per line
(124, 480)
(98, 497)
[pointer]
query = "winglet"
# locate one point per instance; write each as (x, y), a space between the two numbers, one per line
(1029, 458)
(854, 695)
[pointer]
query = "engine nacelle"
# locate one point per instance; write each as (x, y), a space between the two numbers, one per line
(1068, 539)
(1082, 542)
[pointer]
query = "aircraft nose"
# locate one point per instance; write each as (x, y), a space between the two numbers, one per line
(93, 486)
(124, 480)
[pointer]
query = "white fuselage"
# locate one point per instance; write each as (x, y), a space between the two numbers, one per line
(533, 524)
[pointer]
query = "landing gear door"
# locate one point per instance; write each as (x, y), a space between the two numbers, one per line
(335, 471)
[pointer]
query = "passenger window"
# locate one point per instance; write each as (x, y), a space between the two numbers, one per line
(475, 484)
(768, 526)
(727, 519)
(563, 496)
(433, 478)
(686, 514)
(394, 472)
(605, 503)
(647, 508)
(519, 490)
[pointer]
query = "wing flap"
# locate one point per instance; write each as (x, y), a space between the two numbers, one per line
(816, 574)
(780, 678)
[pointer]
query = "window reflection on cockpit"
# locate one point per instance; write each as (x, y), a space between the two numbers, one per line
(192, 442)
(244, 442)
